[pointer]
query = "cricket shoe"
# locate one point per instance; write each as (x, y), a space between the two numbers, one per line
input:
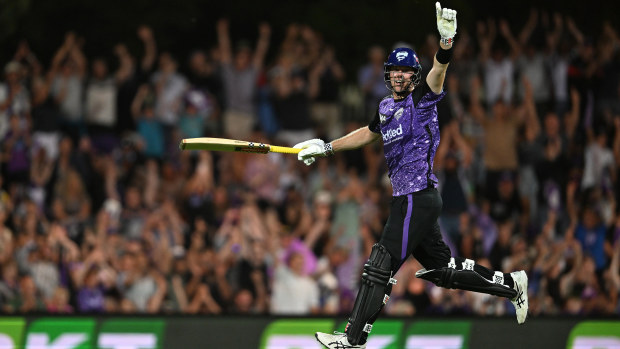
(338, 340)
(520, 301)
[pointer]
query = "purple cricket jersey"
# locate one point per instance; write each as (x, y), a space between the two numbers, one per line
(410, 132)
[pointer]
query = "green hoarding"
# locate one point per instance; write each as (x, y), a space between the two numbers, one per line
(131, 334)
(294, 333)
(11, 332)
(65, 333)
(444, 334)
(205, 332)
(385, 334)
(595, 335)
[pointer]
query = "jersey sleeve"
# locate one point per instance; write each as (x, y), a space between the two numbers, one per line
(425, 99)
(374, 123)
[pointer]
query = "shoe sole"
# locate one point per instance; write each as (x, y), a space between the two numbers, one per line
(527, 312)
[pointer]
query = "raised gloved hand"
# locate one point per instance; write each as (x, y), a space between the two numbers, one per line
(311, 149)
(446, 23)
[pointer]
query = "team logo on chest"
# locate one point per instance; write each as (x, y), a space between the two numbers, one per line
(398, 113)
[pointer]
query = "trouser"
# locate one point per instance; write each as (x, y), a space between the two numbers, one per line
(413, 229)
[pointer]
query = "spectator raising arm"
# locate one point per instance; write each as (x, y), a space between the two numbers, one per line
(125, 63)
(262, 45)
(150, 47)
(515, 47)
(486, 35)
(475, 107)
(223, 41)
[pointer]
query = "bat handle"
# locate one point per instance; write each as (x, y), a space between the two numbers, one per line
(285, 150)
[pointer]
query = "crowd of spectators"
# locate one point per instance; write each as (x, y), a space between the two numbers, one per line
(100, 211)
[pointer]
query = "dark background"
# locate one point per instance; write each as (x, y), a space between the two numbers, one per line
(183, 25)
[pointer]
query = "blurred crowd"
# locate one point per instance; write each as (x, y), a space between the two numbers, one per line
(100, 211)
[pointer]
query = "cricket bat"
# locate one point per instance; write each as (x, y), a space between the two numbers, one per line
(223, 144)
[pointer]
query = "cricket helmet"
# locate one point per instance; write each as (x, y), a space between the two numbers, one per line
(402, 57)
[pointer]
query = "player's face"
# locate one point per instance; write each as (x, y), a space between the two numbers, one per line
(401, 78)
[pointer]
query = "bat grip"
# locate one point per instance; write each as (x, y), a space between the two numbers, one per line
(285, 150)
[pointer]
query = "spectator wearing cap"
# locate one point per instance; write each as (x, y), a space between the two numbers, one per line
(196, 118)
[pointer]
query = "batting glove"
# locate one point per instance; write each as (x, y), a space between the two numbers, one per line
(311, 149)
(446, 24)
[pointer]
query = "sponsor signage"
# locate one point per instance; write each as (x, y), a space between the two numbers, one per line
(131, 334)
(595, 335)
(385, 334)
(295, 333)
(11, 332)
(438, 335)
(63, 333)
(173, 332)
(80, 333)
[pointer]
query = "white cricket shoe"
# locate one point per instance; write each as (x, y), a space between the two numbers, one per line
(338, 340)
(520, 301)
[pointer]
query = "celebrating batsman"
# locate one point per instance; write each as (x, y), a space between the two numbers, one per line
(407, 122)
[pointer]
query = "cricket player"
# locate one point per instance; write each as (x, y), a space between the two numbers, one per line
(406, 121)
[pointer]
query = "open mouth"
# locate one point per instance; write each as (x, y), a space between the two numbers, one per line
(399, 83)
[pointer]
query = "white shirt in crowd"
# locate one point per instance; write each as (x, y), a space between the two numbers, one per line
(101, 103)
(293, 293)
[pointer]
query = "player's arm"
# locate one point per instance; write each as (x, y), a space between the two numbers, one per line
(446, 24)
(356, 139)
(317, 147)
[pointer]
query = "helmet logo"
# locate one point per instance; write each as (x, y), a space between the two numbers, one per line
(401, 55)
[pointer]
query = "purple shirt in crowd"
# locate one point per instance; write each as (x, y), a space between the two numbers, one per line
(410, 132)
(91, 300)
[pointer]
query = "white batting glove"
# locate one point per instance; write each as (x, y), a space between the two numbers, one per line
(446, 24)
(311, 149)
